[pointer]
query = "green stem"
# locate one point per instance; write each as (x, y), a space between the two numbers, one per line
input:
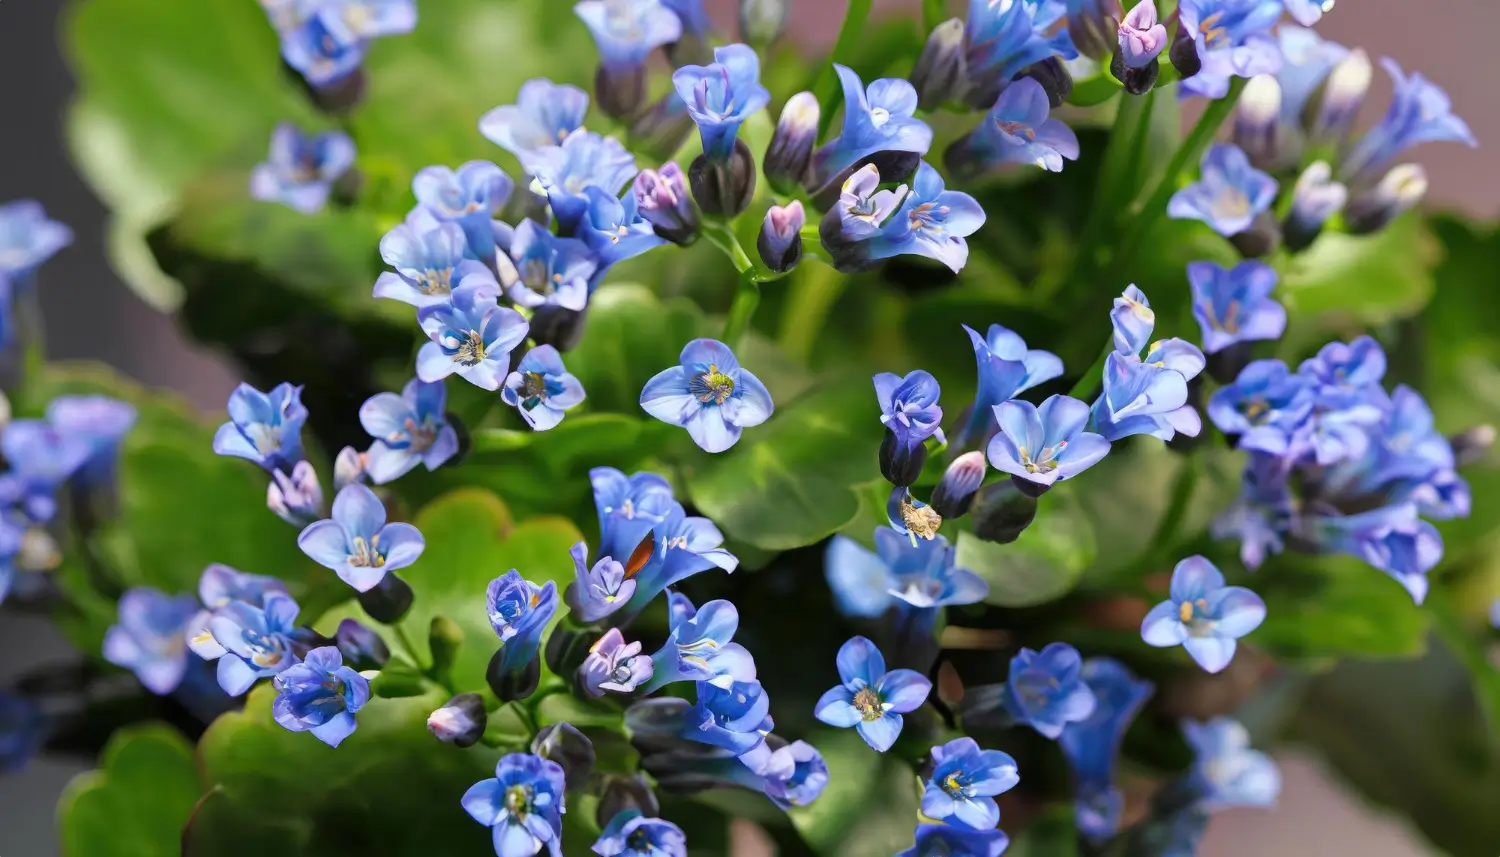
(1093, 377)
(1122, 158)
(827, 88)
(746, 299)
(809, 300)
(1182, 495)
(933, 14)
(408, 646)
(721, 236)
(526, 716)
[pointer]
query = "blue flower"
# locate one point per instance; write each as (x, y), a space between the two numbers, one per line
(629, 508)
(869, 698)
(1092, 745)
(468, 197)
(615, 665)
(899, 573)
(348, 467)
(23, 730)
(1203, 615)
(301, 168)
(1145, 395)
(584, 159)
(709, 395)
(541, 388)
(429, 257)
(1262, 514)
(684, 546)
(1228, 196)
(99, 421)
(662, 198)
(1227, 773)
(876, 119)
(250, 641)
(598, 591)
(544, 114)
(1349, 400)
(631, 834)
(627, 31)
(964, 782)
(861, 209)
(699, 648)
(1044, 445)
(409, 428)
(28, 238)
(1233, 40)
(947, 840)
(41, 457)
(1017, 130)
(1234, 304)
(794, 775)
(1307, 59)
(357, 543)
(150, 638)
(321, 696)
(1341, 368)
(220, 585)
(1308, 12)
(1391, 538)
(519, 611)
(694, 18)
(1002, 39)
(1409, 460)
(320, 48)
(721, 96)
(471, 335)
(1142, 36)
(1420, 112)
(264, 428)
(1046, 689)
(296, 498)
(932, 222)
(734, 717)
(1267, 406)
(523, 803)
(1132, 321)
(909, 406)
(614, 229)
(362, 20)
(1007, 368)
(549, 271)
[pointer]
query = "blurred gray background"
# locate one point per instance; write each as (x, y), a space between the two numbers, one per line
(90, 314)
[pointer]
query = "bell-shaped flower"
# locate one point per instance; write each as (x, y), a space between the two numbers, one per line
(149, 639)
(721, 96)
(932, 222)
(544, 114)
(28, 237)
(699, 646)
(1145, 394)
(1229, 194)
(858, 215)
(1044, 445)
(1420, 112)
(627, 31)
(471, 335)
(321, 48)
(630, 834)
(1203, 615)
(878, 118)
(629, 508)
(1007, 368)
(1046, 691)
(614, 230)
(598, 591)
(519, 611)
(614, 665)
(794, 775)
(901, 573)
(945, 840)
(321, 696)
(684, 546)
(1234, 305)
(1016, 130)
(583, 160)
(1092, 745)
(1227, 773)
(869, 698)
(547, 270)
(251, 642)
(909, 406)
(1232, 38)
(1267, 406)
(469, 197)
(1391, 538)
(264, 428)
(964, 782)
(1003, 39)
(409, 428)
(522, 804)
(709, 395)
(296, 498)
(541, 388)
(301, 168)
(357, 543)
(429, 256)
(735, 717)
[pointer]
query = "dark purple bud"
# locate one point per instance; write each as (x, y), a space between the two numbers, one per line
(662, 198)
(460, 722)
(789, 155)
(1257, 123)
(567, 648)
(444, 638)
(1316, 198)
(724, 188)
(954, 495)
(1054, 78)
(1184, 54)
(901, 464)
(1092, 28)
(557, 326)
(362, 648)
(569, 748)
(662, 128)
(1002, 512)
(621, 794)
(336, 98)
(346, 188)
(388, 601)
(940, 70)
(519, 684)
(1225, 364)
(1261, 239)
(1472, 445)
(1374, 209)
(762, 21)
(1137, 81)
(780, 241)
(620, 90)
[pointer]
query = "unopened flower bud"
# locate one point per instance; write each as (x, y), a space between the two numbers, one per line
(955, 493)
(557, 326)
(1142, 37)
(569, 748)
(1054, 78)
(789, 155)
(901, 464)
(388, 601)
(620, 90)
(460, 722)
(362, 648)
(662, 128)
(1472, 445)
(349, 467)
(780, 241)
(1316, 198)
(1261, 239)
(568, 647)
(1002, 512)
(1330, 113)
(298, 498)
(1257, 122)
(725, 187)
(1137, 81)
(662, 198)
(762, 21)
(511, 686)
(1401, 189)
(941, 69)
(623, 793)
(1092, 28)
(1184, 54)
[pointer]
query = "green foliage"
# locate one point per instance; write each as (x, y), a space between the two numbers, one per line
(1044, 564)
(1334, 607)
(136, 803)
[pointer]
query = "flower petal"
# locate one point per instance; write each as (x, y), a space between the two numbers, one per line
(859, 662)
(836, 708)
(325, 543)
(880, 734)
(904, 690)
(1211, 653)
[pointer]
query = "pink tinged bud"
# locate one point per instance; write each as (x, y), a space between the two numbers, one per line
(955, 493)
(780, 241)
(1142, 37)
(460, 722)
(663, 200)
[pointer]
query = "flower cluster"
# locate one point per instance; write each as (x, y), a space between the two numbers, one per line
(325, 40)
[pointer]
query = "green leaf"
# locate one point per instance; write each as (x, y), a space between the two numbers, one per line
(794, 480)
(1332, 606)
(1362, 280)
(390, 788)
(1467, 648)
(1044, 564)
(869, 805)
(136, 803)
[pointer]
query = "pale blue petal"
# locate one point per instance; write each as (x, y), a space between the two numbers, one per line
(859, 662)
(836, 708)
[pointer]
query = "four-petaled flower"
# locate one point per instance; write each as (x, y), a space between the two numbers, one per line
(28, 238)
(471, 335)
(709, 395)
(522, 803)
(1267, 406)
(699, 646)
(301, 168)
(429, 256)
(541, 388)
(407, 429)
(869, 698)
(1229, 194)
(1203, 615)
(1045, 689)
(1234, 304)
(544, 114)
(932, 222)
(615, 665)
(468, 196)
(878, 118)
(721, 96)
(150, 638)
(583, 160)
(1227, 772)
(264, 428)
(918, 576)
(632, 834)
(321, 696)
(1044, 445)
(249, 640)
(357, 543)
(547, 270)
(964, 782)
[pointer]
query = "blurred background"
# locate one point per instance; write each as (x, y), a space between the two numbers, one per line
(91, 314)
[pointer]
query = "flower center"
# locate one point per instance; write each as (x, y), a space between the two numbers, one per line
(534, 385)
(1256, 410)
(1017, 129)
(640, 842)
(1231, 203)
(867, 702)
(879, 116)
(471, 350)
(1044, 463)
(435, 281)
(1211, 31)
(956, 785)
(518, 801)
(534, 275)
(929, 217)
(420, 436)
(1194, 615)
(366, 554)
(712, 386)
(266, 438)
